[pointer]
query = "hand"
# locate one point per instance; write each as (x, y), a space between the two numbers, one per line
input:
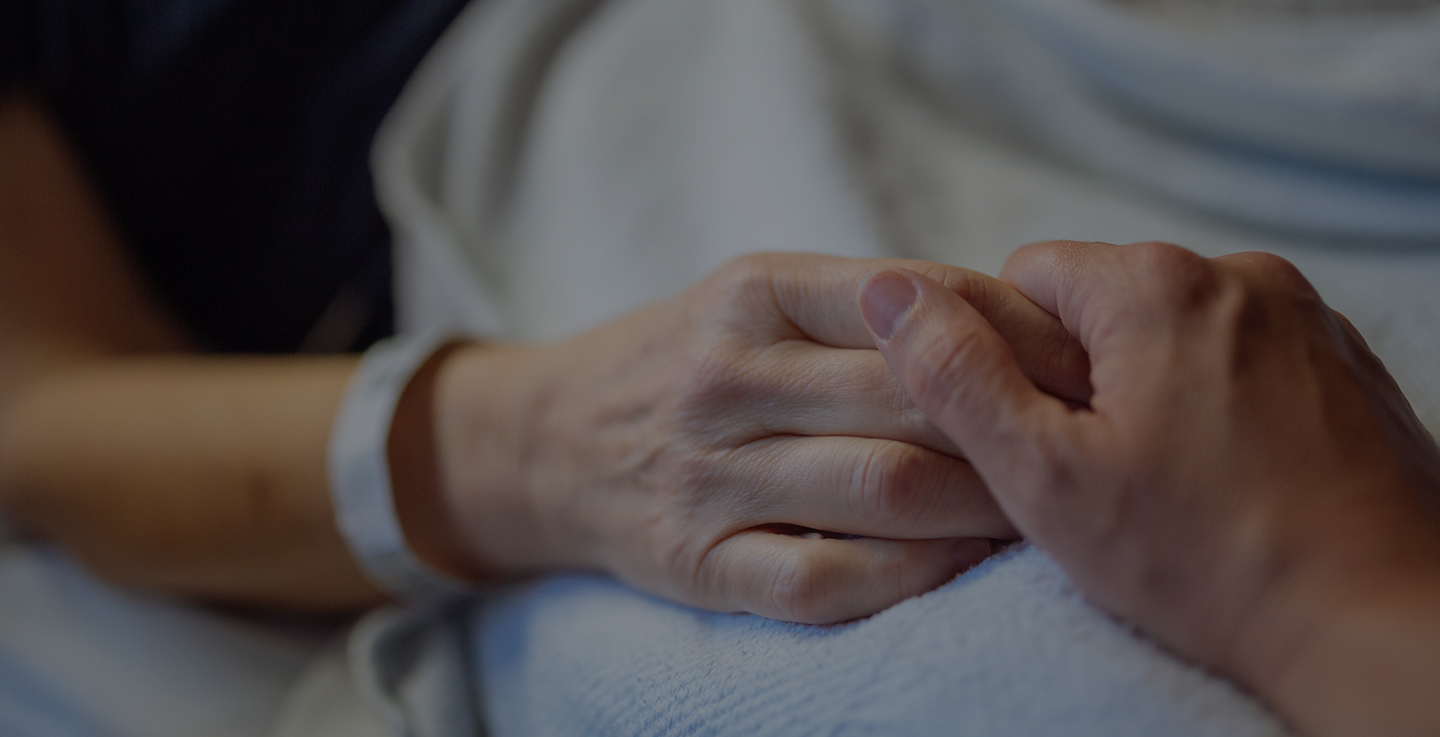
(1246, 483)
(741, 446)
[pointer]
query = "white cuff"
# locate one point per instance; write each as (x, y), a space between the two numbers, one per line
(360, 470)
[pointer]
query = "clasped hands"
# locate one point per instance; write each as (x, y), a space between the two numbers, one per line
(741, 446)
(1203, 445)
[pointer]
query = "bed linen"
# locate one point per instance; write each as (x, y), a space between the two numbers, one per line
(557, 162)
(79, 657)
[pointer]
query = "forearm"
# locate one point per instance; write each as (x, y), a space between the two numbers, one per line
(199, 476)
(1352, 646)
(204, 477)
(1376, 671)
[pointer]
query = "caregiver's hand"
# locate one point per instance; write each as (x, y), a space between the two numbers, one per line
(1247, 483)
(682, 448)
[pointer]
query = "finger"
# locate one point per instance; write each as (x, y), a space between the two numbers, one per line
(1043, 271)
(963, 376)
(819, 581)
(1046, 351)
(800, 388)
(813, 297)
(1114, 298)
(875, 488)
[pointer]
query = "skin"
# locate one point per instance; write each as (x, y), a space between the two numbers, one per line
(157, 467)
(697, 448)
(682, 447)
(1246, 483)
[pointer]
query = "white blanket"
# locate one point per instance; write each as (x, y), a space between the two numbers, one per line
(557, 162)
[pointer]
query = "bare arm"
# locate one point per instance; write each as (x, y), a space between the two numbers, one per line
(157, 467)
(679, 448)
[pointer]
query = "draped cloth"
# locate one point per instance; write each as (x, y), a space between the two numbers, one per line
(555, 163)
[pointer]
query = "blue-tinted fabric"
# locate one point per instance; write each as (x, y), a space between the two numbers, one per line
(79, 656)
(231, 139)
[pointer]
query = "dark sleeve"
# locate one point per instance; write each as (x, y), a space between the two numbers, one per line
(231, 141)
(16, 43)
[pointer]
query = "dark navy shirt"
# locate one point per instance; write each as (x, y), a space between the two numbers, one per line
(231, 140)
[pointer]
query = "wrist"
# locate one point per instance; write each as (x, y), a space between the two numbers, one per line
(486, 403)
(1348, 642)
(428, 524)
(366, 491)
(1367, 666)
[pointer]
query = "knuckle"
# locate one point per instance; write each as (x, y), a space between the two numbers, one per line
(1277, 270)
(744, 275)
(727, 393)
(715, 372)
(1271, 283)
(740, 297)
(1180, 277)
(798, 586)
(887, 481)
(694, 557)
(1273, 265)
(1261, 312)
(694, 481)
(1161, 255)
(972, 286)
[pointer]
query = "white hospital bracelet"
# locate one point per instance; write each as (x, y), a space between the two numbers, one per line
(360, 470)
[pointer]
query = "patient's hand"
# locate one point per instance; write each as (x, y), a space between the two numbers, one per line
(682, 447)
(1247, 483)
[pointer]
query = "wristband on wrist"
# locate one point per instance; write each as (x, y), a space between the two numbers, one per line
(359, 466)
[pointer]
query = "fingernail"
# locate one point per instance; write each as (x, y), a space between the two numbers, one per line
(970, 551)
(884, 301)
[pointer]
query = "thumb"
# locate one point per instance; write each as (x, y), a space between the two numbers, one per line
(958, 370)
